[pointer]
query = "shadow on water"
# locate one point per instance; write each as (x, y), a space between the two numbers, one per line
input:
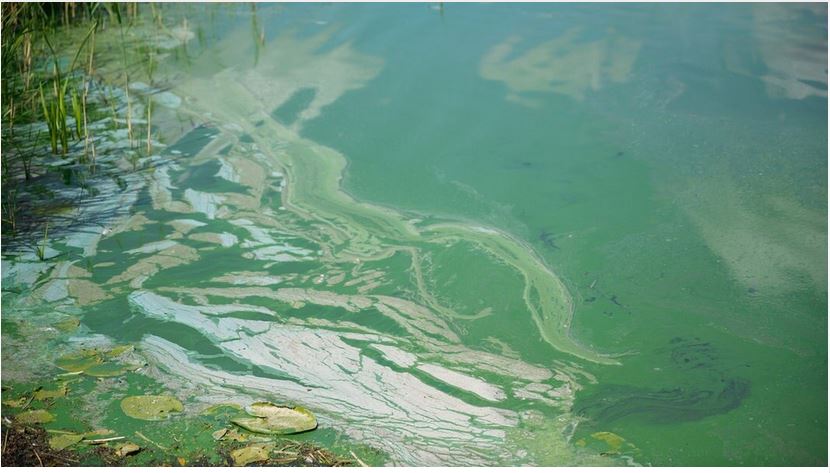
(664, 406)
(288, 112)
(706, 391)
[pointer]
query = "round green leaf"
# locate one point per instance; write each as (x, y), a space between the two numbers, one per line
(150, 407)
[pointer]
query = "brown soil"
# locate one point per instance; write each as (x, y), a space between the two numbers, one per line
(28, 445)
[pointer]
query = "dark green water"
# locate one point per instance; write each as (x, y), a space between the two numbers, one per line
(629, 201)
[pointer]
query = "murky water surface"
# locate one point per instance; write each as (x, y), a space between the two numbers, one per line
(482, 234)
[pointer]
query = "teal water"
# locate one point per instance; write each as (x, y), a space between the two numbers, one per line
(607, 222)
(662, 187)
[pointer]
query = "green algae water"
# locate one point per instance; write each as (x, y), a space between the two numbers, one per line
(463, 235)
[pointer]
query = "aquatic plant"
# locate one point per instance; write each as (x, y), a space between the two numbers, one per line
(149, 125)
(41, 250)
(9, 207)
(55, 111)
(151, 407)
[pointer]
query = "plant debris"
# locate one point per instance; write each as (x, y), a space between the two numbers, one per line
(251, 454)
(61, 441)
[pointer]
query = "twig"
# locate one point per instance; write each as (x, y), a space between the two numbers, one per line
(61, 458)
(97, 441)
(54, 431)
(38, 456)
(73, 373)
(6, 441)
(31, 398)
(359, 461)
(148, 440)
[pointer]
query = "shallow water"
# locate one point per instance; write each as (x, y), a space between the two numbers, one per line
(488, 234)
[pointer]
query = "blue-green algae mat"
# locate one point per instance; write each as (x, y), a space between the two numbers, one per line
(507, 234)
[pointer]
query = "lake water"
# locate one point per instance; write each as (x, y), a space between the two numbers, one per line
(487, 234)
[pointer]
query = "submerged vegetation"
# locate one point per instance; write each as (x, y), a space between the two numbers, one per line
(219, 248)
(60, 110)
(70, 130)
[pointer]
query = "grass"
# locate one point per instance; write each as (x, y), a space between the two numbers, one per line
(48, 65)
(54, 111)
(41, 250)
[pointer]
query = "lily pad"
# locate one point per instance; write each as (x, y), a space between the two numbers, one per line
(118, 350)
(252, 453)
(59, 442)
(235, 436)
(80, 361)
(95, 362)
(150, 407)
(68, 325)
(273, 419)
(99, 433)
(613, 440)
(38, 416)
(17, 402)
(105, 370)
(43, 394)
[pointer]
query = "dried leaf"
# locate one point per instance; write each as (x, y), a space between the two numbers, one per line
(124, 449)
(17, 402)
(219, 434)
(59, 442)
(252, 453)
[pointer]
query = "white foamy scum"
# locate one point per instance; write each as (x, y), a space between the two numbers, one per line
(226, 171)
(393, 410)
(203, 202)
(377, 359)
(468, 383)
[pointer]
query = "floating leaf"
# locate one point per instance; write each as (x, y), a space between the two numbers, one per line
(124, 449)
(235, 435)
(59, 442)
(273, 419)
(150, 407)
(38, 416)
(68, 325)
(17, 402)
(220, 407)
(105, 370)
(611, 439)
(95, 362)
(80, 361)
(118, 350)
(99, 433)
(219, 434)
(43, 394)
(252, 453)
